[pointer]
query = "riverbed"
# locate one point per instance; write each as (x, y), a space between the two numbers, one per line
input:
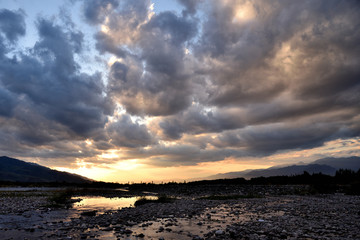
(334, 216)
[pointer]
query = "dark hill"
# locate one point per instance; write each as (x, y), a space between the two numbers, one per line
(292, 170)
(352, 163)
(14, 170)
(281, 171)
(327, 166)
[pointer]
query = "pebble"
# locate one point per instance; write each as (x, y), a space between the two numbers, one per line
(274, 217)
(141, 235)
(219, 232)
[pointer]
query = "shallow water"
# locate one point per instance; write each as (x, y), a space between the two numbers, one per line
(26, 189)
(102, 204)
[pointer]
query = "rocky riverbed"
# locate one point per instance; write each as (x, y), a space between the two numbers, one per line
(335, 216)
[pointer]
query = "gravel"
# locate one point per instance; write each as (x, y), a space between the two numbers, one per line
(333, 216)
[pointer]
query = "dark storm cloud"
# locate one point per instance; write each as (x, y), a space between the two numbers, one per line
(154, 81)
(23, 126)
(260, 141)
(50, 78)
(290, 61)
(273, 63)
(7, 102)
(28, 133)
(45, 99)
(220, 79)
(267, 139)
(181, 155)
(246, 49)
(126, 133)
(12, 24)
(196, 120)
(179, 29)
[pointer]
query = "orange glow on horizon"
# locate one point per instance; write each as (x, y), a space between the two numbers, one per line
(136, 170)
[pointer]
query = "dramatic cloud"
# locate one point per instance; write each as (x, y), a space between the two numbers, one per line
(44, 97)
(206, 82)
(126, 133)
(269, 63)
(49, 78)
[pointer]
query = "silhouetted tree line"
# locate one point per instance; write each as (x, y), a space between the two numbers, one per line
(346, 180)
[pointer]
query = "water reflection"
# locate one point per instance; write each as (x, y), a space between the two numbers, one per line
(103, 204)
(29, 189)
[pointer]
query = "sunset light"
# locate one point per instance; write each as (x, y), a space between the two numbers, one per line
(180, 119)
(157, 90)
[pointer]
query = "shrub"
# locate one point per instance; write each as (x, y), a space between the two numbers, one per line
(160, 199)
(61, 198)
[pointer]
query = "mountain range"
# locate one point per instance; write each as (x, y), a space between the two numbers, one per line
(327, 166)
(14, 170)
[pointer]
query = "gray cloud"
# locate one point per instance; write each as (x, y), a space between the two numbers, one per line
(245, 50)
(7, 102)
(180, 155)
(177, 29)
(95, 11)
(12, 24)
(265, 66)
(104, 44)
(197, 120)
(260, 141)
(219, 79)
(50, 79)
(155, 81)
(268, 139)
(190, 6)
(126, 133)
(44, 97)
(246, 61)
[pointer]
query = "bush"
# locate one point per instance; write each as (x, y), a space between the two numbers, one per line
(353, 189)
(160, 199)
(61, 198)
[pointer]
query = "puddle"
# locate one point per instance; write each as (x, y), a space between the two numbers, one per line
(103, 204)
(217, 218)
(212, 218)
(29, 189)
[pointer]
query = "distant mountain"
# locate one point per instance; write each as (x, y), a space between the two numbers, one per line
(352, 163)
(15, 170)
(326, 166)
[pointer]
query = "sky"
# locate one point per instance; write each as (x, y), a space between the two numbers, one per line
(172, 90)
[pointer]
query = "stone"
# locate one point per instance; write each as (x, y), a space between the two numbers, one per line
(197, 238)
(89, 213)
(141, 235)
(219, 232)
